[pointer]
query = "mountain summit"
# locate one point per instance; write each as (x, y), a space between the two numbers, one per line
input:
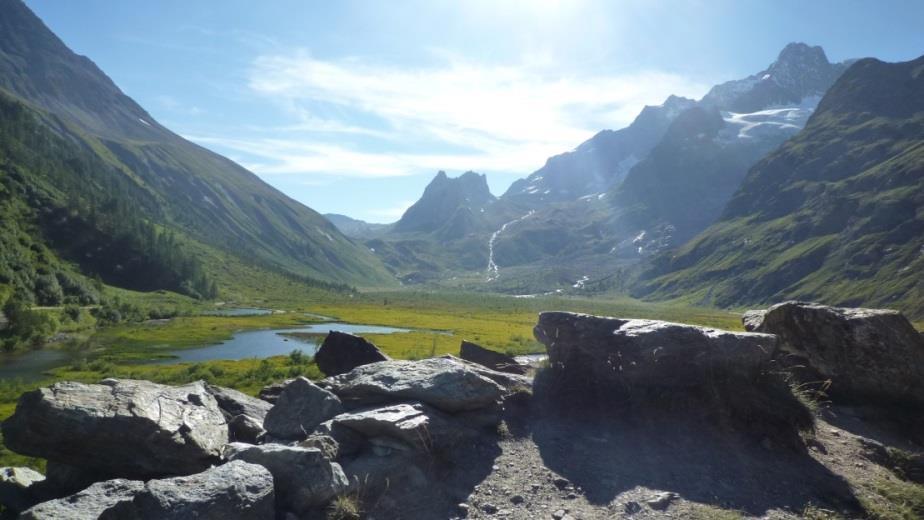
(448, 204)
(799, 72)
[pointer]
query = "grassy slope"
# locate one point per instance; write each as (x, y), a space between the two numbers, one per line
(834, 215)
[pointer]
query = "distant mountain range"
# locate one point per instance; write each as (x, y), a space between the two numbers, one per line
(167, 181)
(618, 198)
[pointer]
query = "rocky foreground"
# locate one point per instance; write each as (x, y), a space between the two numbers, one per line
(631, 418)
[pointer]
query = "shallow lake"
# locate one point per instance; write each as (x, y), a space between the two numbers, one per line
(273, 342)
(29, 366)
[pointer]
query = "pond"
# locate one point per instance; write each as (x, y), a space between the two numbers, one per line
(272, 342)
(29, 366)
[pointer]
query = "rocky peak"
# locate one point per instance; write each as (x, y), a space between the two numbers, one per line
(800, 71)
(442, 198)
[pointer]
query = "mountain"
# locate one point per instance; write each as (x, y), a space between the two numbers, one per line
(598, 163)
(679, 185)
(449, 207)
(832, 215)
(355, 228)
(623, 195)
(190, 189)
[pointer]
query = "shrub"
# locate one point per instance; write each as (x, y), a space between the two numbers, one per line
(48, 291)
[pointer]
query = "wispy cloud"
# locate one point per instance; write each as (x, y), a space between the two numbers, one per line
(501, 118)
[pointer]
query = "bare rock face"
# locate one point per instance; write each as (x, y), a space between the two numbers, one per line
(109, 499)
(304, 477)
(234, 490)
(444, 383)
(16, 487)
(494, 360)
(121, 428)
(300, 408)
(342, 352)
(647, 353)
(867, 354)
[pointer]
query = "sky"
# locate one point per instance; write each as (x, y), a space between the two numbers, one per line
(352, 107)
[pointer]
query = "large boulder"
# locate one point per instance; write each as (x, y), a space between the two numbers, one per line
(494, 360)
(17, 487)
(867, 354)
(109, 499)
(626, 353)
(300, 408)
(444, 383)
(234, 403)
(342, 352)
(304, 477)
(415, 425)
(234, 490)
(120, 428)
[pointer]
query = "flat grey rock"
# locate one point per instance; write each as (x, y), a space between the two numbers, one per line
(444, 383)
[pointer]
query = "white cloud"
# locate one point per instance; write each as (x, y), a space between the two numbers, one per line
(500, 118)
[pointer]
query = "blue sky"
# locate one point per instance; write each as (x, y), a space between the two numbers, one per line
(352, 106)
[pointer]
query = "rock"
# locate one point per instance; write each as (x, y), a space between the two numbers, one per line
(342, 352)
(16, 487)
(234, 403)
(415, 424)
(300, 408)
(63, 479)
(510, 382)
(867, 354)
(349, 442)
(905, 464)
(494, 360)
(103, 499)
(235, 490)
(121, 428)
(244, 428)
(661, 501)
(630, 508)
(304, 477)
(443, 383)
(270, 393)
(329, 446)
(612, 352)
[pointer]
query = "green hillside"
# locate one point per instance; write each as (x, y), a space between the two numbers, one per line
(192, 190)
(836, 214)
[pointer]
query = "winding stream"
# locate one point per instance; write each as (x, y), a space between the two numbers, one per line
(493, 271)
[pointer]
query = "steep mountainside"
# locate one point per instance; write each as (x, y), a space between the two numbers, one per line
(836, 214)
(204, 195)
(598, 163)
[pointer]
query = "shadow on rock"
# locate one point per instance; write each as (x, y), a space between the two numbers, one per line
(683, 444)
